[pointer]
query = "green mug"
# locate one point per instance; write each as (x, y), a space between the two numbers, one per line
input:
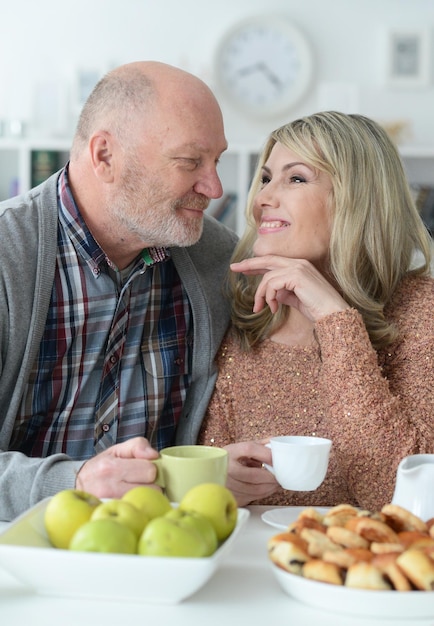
(180, 468)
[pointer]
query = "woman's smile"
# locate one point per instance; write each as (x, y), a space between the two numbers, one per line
(272, 225)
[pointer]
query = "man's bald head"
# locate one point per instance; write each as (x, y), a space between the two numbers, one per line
(131, 93)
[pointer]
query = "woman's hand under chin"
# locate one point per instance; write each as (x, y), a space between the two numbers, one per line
(292, 282)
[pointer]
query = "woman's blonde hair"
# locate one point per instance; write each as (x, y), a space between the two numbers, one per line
(376, 228)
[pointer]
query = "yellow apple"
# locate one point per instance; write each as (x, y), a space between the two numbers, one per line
(123, 512)
(104, 535)
(217, 503)
(168, 537)
(198, 522)
(153, 502)
(66, 511)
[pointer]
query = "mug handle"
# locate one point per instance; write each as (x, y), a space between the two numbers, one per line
(268, 467)
(160, 478)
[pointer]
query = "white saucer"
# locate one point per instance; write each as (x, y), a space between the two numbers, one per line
(283, 516)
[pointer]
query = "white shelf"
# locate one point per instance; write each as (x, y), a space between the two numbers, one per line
(16, 161)
(416, 152)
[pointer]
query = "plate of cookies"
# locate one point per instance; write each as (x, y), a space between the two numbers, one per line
(367, 563)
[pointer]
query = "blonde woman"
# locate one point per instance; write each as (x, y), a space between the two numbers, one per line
(332, 332)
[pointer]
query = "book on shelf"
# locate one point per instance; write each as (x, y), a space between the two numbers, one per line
(44, 163)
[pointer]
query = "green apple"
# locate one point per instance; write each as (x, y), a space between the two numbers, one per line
(169, 537)
(123, 512)
(198, 522)
(148, 499)
(217, 503)
(66, 511)
(104, 535)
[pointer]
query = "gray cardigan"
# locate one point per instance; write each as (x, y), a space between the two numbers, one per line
(28, 238)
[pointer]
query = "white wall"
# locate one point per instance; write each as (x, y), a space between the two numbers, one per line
(44, 43)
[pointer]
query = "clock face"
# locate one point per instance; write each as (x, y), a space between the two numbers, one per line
(264, 66)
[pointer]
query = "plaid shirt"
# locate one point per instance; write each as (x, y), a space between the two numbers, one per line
(150, 368)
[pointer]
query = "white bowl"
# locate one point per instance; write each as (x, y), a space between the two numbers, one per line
(26, 553)
(340, 599)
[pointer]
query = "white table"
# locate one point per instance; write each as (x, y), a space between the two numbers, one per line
(242, 591)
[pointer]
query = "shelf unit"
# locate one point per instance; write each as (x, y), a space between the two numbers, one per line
(235, 169)
(17, 157)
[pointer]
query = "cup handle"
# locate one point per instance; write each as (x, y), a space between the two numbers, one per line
(268, 467)
(159, 480)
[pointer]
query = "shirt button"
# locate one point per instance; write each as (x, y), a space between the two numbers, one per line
(113, 359)
(106, 427)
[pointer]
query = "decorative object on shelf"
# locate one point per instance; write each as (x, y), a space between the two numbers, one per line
(264, 65)
(398, 130)
(408, 58)
(15, 128)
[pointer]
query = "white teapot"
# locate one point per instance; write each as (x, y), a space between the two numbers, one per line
(414, 489)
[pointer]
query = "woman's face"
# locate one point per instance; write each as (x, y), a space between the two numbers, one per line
(290, 209)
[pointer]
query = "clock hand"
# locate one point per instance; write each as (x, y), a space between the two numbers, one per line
(264, 69)
(270, 75)
(248, 69)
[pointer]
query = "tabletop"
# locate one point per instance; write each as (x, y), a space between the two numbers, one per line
(242, 591)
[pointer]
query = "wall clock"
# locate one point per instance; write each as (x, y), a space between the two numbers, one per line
(264, 65)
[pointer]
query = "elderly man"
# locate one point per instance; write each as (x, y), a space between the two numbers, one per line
(111, 309)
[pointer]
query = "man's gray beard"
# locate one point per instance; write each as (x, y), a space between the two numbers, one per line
(173, 231)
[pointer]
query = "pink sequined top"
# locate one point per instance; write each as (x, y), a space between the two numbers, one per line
(376, 408)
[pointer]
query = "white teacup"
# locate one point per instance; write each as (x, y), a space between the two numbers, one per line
(299, 463)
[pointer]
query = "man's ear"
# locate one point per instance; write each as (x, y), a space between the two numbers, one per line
(101, 147)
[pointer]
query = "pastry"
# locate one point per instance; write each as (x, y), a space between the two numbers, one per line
(386, 548)
(418, 567)
(317, 542)
(390, 549)
(346, 538)
(387, 564)
(374, 530)
(347, 556)
(364, 575)
(319, 570)
(288, 551)
(415, 539)
(400, 519)
(306, 522)
(339, 515)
